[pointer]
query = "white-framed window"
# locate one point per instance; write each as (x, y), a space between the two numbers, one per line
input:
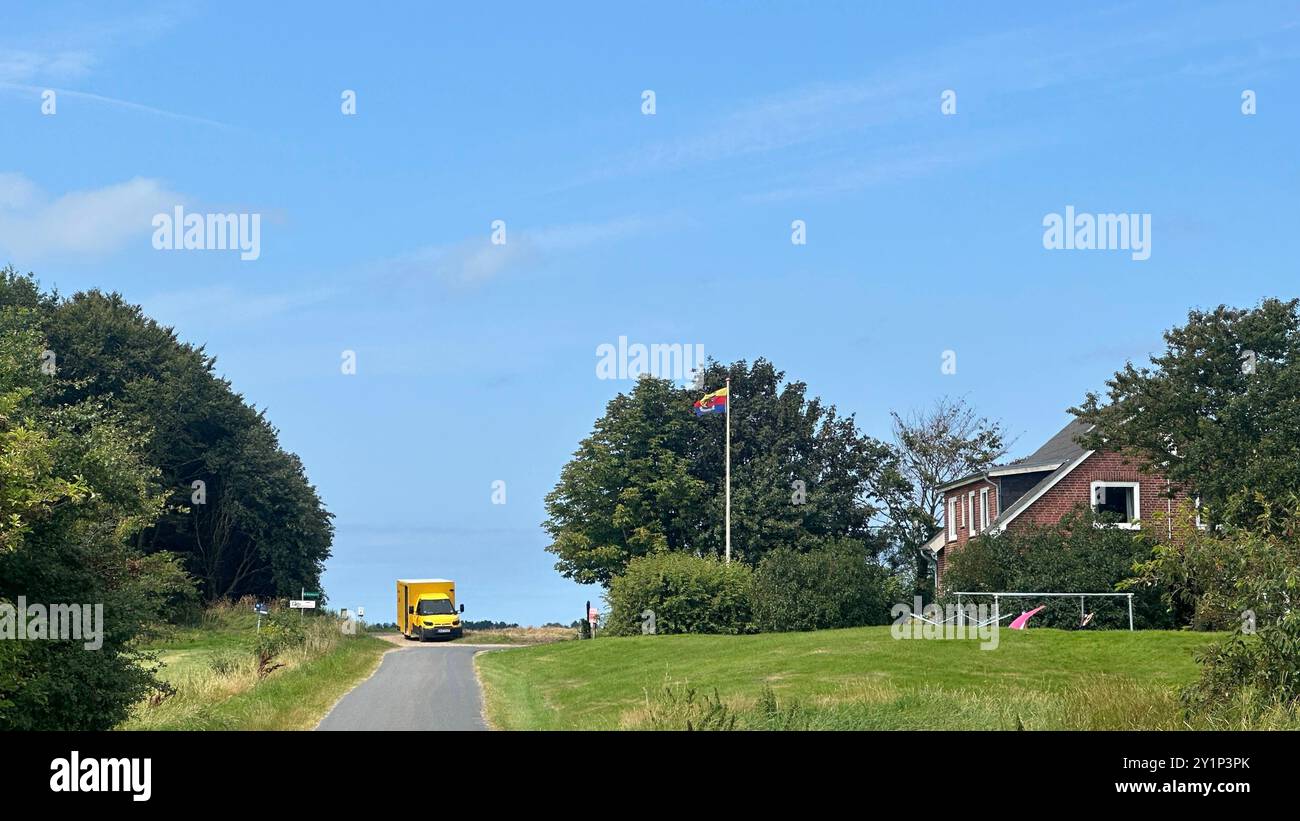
(984, 509)
(1120, 501)
(970, 513)
(1200, 525)
(952, 519)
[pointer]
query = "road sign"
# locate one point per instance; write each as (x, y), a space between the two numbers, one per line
(311, 594)
(361, 612)
(301, 604)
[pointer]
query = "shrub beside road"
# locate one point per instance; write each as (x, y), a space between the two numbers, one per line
(220, 677)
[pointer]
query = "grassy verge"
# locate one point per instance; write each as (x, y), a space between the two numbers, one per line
(213, 670)
(845, 679)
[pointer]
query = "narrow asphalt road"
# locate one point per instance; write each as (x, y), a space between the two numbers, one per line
(421, 687)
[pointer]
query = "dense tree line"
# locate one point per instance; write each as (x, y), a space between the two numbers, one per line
(75, 487)
(253, 523)
(488, 624)
(106, 423)
(1218, 411)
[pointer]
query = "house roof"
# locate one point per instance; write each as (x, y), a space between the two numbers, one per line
(935, 543)
(1045, 484)
(1061, 454)
(962, 481)
(1055, 452)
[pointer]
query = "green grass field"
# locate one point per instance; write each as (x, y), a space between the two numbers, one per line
(214, 672)
(860, 678)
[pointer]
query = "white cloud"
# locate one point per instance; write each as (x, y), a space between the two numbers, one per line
(196, 307)
(91, 223)
(22, 66)
(892, 165)
(468, 262)
(46, 61)
(476, 260)
(906, 90)
(126, 105)
(16, 191)
(777, 122)
(69, 46)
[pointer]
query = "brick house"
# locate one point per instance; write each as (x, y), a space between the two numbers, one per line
(1043, 487)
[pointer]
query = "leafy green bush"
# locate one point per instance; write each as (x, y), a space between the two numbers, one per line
(838, 585)
(1251, 579)
(1199, 574)
(1073, 555)
(687, 594)
(282, 631)
(75, 491)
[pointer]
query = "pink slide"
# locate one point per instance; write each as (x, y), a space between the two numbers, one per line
(1020, 621)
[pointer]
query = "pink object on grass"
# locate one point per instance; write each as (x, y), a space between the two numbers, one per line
(1020, 621)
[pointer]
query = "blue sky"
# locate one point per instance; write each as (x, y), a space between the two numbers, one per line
(477, 362)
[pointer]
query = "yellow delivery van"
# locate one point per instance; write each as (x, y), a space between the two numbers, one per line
(426, 609)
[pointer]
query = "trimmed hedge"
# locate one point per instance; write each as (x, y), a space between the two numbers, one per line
(835, 586)
(687, 594)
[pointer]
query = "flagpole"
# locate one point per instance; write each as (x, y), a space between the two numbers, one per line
(728, 478)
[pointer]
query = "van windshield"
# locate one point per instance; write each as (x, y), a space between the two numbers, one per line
(434, 607)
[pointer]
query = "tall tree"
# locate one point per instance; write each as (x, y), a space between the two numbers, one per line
(75, 487)
(1218, 411)
(649, 478)
(936, 446)
(257, 525)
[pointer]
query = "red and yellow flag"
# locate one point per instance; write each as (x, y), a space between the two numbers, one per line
(715, 402)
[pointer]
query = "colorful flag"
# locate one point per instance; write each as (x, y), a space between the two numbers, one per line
(715, 402)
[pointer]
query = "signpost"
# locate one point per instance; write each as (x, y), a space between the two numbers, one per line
(306, 602)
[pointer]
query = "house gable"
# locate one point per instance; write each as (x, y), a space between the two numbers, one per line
(1047, 485)
(1030, 497)
(1074, 487)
